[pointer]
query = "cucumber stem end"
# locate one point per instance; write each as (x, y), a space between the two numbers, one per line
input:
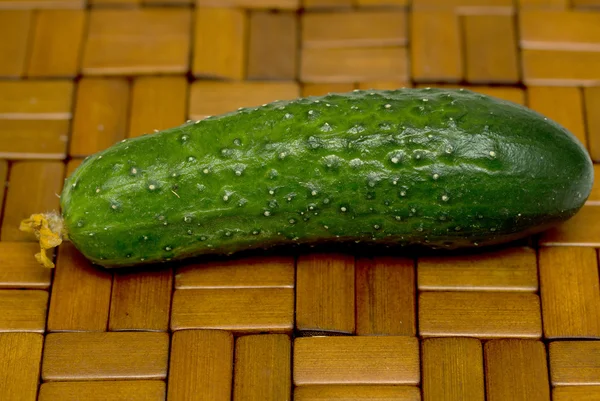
(49, 230)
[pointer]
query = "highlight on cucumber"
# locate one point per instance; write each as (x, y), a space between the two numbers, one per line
(438, 168)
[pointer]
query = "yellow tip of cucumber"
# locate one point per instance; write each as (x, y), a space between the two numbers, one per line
(49, 230)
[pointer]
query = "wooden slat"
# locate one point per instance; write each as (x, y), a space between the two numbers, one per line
(34, 139)
(512, 269)
(72, 165)
(478, 314)
(141, 301)
(385, 296)
(272, 48)
(20, 365)
(559, 30)
(245, 272)
(592, 102)
(515, 95)
(354, 29)
(209, 98)
(114, 390)
(583, 229)
(356, 360)
(325, 293)
(137, 41)
(574, 362)
(201, 366)
(516, 370)
(32, 189)
(219, 44)
(23, 310)
(41, 4)
(594, 198)
(436, 51)
(491, 49)
(467, 6)
(98, 356)
(16, 25)
(543, 4)
(114, 3)
(261, 4)
(241, 310)
(354, 64)
(19, 267)
(564, 105)
(78, 288)
(57, 43)
(452, 369)
(570, 292)
(384, 85)
(262, 368)
(313, 89)
(576, 393)
(157, 103)
(357, 393)
(367, 3)
(36, 99)
(3, 182)
(586, 4)
(95, 126)
(556, 67)
(316, 4)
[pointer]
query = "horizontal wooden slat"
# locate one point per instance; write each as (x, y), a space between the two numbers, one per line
(255, 272)
(18, 267)
(208, 98)
(559, 30)
(34, 139)
(575, 363)
(355, 392)
(114, 390)
(576, 393)
(241, 310)
(356, 360)
(583, 229)
(479, 314)
(354, 29)
(354, 64)
(23, 310)
(36, 99)
(97, 356)
(556, 67)
(513, 269)
(277, 4)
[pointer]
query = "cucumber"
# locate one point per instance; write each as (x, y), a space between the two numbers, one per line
(437, 168)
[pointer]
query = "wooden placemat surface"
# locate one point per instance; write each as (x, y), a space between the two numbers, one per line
(520, 323)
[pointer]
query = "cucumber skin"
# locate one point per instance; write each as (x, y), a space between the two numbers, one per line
(441, 168)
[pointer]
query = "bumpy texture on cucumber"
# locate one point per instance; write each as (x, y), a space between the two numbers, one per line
(441, 168)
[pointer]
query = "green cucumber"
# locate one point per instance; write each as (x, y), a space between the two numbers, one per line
(439, 168)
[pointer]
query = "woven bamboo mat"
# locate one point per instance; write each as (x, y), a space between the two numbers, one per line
(521, 323)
